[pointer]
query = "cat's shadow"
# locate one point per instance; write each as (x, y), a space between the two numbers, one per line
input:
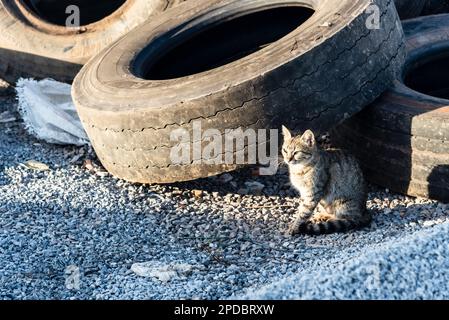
(245, 181)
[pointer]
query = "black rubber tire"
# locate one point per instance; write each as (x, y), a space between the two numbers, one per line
(409, 8)
(435, 7)
(32, 47)
(402, 139)
(321, 73)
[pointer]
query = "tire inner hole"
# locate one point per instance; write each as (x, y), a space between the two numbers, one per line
(54, 11)
(223, 43)
(430, 77)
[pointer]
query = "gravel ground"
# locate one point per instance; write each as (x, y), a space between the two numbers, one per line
(213, 238)
(414, 267)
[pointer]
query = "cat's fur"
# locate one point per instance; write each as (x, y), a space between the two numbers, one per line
(329, 178)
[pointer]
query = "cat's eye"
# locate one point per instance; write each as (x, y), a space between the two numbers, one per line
(300, 154)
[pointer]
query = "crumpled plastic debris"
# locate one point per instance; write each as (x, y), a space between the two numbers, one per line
(48, 112)
(161, 271)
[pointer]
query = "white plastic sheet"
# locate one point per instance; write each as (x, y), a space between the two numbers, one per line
(48, 111)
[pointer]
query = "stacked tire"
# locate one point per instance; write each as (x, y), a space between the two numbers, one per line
(410, 8)
(435, 7)
(36, 42)
(402, 140)
(305, 64)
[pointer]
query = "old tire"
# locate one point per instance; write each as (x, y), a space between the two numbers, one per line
(402, 139)
(31, 46)
(409, 8)
(435, 7)
(323, 71)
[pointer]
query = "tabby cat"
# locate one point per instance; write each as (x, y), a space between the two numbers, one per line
(330, 179)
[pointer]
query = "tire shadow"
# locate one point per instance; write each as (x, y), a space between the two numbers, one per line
(15, 65)
(245, 181)
(439, 183)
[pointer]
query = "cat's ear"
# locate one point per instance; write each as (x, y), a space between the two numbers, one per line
(308, 138)
(286, 133)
